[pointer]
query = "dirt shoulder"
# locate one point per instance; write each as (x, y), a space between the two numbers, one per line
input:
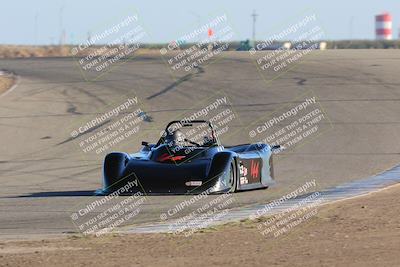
(363, 231)
(6, 82)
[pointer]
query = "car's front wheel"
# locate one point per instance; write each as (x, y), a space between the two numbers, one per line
(232, 180)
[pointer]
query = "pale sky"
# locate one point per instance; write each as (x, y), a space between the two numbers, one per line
(165, 20)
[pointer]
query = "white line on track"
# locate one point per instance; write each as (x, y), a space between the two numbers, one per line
(345, 191)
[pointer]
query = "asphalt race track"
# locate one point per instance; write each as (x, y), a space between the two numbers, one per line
(45, 175)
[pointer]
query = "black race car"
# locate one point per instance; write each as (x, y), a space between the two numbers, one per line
(188, 158)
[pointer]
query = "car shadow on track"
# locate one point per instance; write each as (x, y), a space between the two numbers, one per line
(57, 194)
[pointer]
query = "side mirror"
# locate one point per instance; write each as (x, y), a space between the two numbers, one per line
(144, 143)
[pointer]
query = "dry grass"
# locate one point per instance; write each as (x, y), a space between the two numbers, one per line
(16, 51)
(21, 51)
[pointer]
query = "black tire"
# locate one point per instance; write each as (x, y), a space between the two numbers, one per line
(114, 166)
(232, 178)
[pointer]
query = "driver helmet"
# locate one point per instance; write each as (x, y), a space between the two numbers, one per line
(175, 138)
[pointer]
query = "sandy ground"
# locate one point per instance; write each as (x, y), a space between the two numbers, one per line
(362, 231)
(5, 83)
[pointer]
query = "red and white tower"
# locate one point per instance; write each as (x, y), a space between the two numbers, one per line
(383, 26)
